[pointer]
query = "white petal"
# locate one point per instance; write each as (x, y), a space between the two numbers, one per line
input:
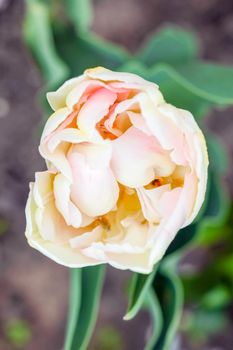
(86, 239)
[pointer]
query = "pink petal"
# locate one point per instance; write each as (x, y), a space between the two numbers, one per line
(94, 189)
(138, 159)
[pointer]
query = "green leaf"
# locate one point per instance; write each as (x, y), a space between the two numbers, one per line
(217, 154)
(39, 37)
(85, 51)
(201, 324)
(217, 297)
(183, 237)
(211, 82)
(81, 14)
(178, 95)
(86, 286)
(74, 306)
(170, 295)
(170, 45)
(225, 266)
(153, 306)
(136, 67)
(215, 213)
(139, 286)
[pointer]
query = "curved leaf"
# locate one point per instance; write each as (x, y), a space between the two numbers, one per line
(170, 295)
(210, 82)
(178, 95)
(80, 13)
(85, 51)
(153, 306)
(39, 37)
(89, 288)
(138, 289)
(74, 306)
(216, 212)
(170, 45)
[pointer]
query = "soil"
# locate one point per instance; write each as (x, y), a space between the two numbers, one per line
(32, 288)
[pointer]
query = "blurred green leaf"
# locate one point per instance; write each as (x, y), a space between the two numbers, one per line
(81, 14)
(217, 297)
(109, 338)
(216, 211)
(18, 333)
(3, 226)
(135, 67)
(225, 266)
(153, 306)
(85, 51)
(86, 286)
(170, 296)
(217, 154)
(211, 82)
(178, 95)
(170, 45)
(139, 286)
(39, 37)
(202, 323)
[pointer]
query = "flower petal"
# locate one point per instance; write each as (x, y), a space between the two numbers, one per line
(138, 159)
(86, 239)
(57, 99)
(150, 202)
(96, 107)
(94, 189)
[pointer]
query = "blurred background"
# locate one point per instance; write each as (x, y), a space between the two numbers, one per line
(34, 290)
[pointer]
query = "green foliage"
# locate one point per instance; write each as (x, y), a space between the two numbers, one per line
(85, 51)
(18, 333)
(201, 324)
(3, 226)
(80, 13)
(39, 37)
(109, 338)
(153, 306)
(170, 45)
(139, 287)
(169, 292)
(85, 291)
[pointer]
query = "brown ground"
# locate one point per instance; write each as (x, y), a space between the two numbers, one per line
(33, 288)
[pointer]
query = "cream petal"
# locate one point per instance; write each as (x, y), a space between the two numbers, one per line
(183, 201)
(98, 156)
(44, 241)
(69, 135)
(130, 80)
(94, 190)
(57, 99)
(47, 218)
(67, 209)
(119, 258)
(150, 202)
(138, 159)
(57, 160)
(168, 202)
(53, 122)
(86, 239)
